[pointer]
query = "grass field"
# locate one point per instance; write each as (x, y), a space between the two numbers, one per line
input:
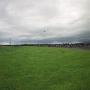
(43, 68)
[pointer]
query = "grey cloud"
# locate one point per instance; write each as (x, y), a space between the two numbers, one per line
(44, 20)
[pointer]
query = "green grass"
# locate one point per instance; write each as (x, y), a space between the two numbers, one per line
(43, 68)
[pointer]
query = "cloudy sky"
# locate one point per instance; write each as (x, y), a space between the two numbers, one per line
(43, 20)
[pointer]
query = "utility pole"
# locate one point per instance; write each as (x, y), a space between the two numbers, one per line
(10, 42)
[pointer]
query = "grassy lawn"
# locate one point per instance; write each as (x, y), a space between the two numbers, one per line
(43, 68)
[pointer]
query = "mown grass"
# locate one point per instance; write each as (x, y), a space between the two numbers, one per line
(43, 68)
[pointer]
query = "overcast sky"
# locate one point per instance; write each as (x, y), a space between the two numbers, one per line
(23, 20)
